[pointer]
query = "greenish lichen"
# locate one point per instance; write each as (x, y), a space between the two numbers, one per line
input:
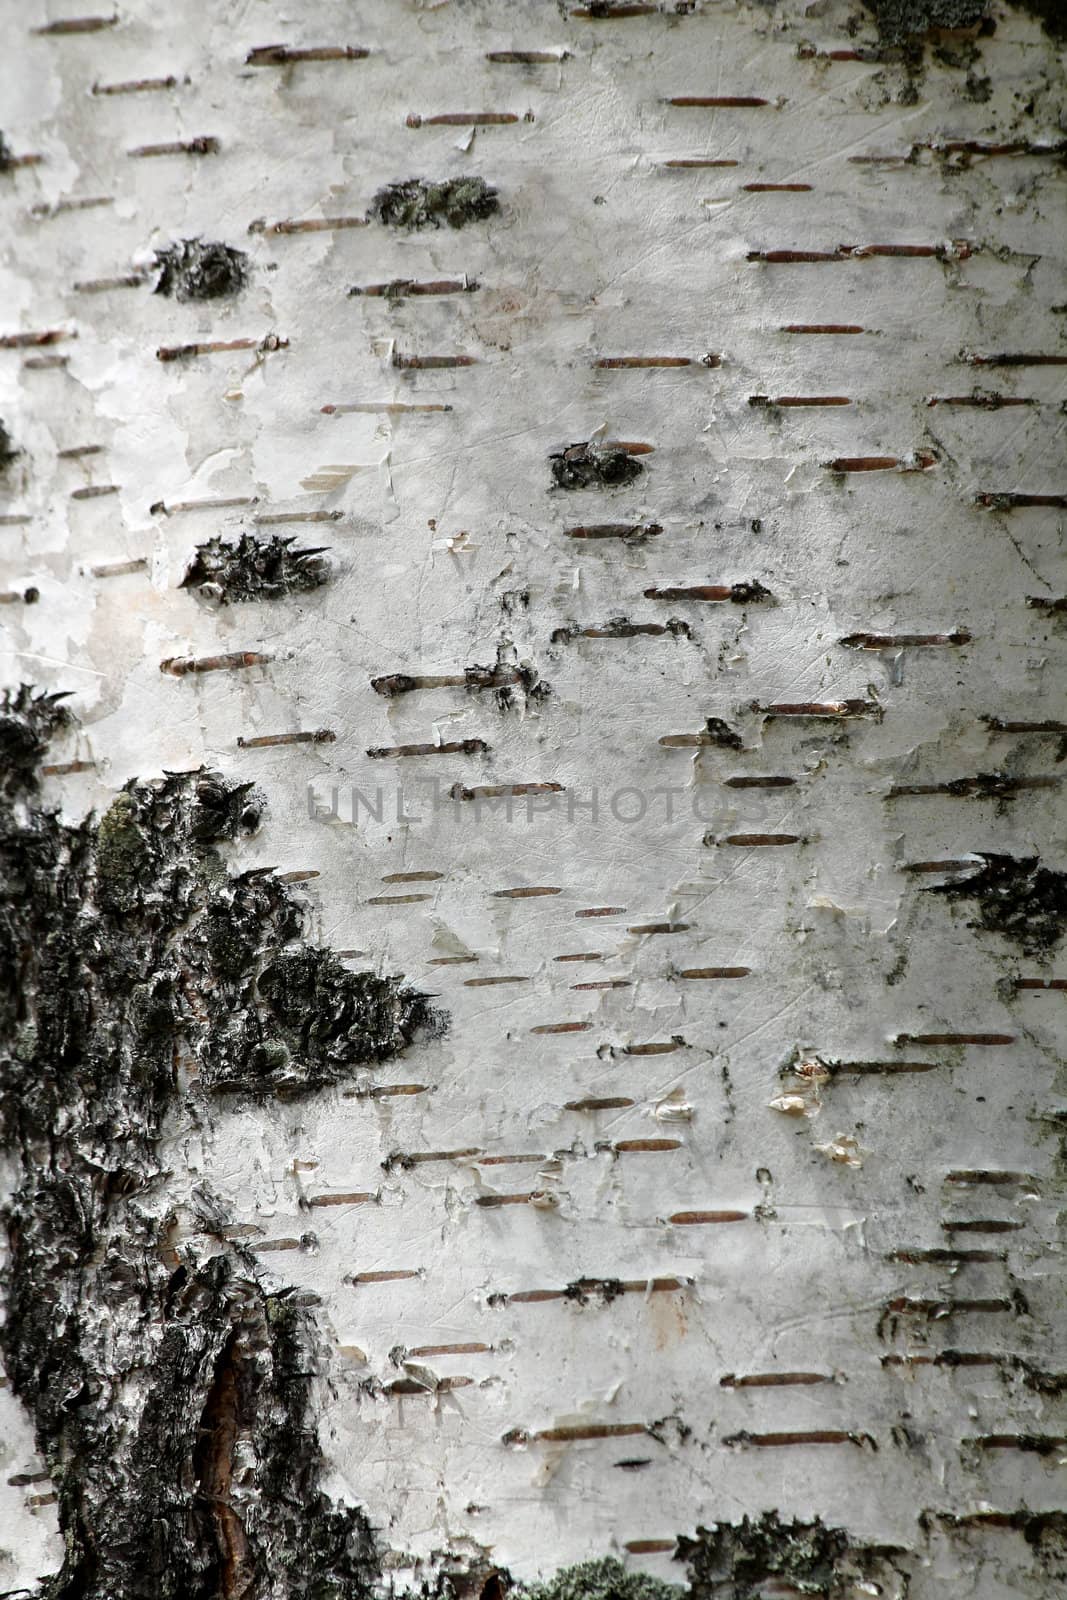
(120, 855)
(606, 1579)
(735, 1561)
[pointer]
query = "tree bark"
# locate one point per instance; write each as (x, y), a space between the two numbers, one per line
(530, 1044)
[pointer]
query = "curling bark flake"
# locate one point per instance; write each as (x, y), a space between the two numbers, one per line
(529, 1048)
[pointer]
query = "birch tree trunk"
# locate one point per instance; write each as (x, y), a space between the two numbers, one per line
(531, 1039)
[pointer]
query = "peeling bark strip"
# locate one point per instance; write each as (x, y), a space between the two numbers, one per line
(158, 1376)
(955, 250)
(78, 25)
(400, 288)
(181, 352)
(202, 145)
(136, 86)
(27, 341)
(182, 666)
(281, 55)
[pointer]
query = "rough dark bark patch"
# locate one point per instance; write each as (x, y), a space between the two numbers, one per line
(254, 569)
(1052, 15)
(748, 594)
(7, 448)
(720, 732)
(528, 688)
(420, 203)
(601, 1290)
(587, 466)
(902, 20)
(734, 1561)
(1017, 898)
(195, 270)
(899, 20)
(170, 1392)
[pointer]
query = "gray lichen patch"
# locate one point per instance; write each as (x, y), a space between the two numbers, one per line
(422, 203)
(230, 571)
(195, 270)
(606, 1579)
(1016, 897)
(736, 1561)
(170, 1391)
(589, 466)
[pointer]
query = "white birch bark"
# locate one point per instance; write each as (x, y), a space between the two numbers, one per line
(645, 964)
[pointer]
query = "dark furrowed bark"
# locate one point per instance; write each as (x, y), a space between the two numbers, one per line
(170, 1390)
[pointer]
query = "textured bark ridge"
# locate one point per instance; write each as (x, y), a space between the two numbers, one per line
(170, 1392)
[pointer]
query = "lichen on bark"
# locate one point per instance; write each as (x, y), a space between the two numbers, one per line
(741, 1561)
(193, 269)
(736, 1561)
(606, 1579)
(233, 570)
(421, 203)
(170, 1391)
(591, 466)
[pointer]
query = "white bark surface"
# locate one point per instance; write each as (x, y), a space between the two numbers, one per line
(450, 542)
